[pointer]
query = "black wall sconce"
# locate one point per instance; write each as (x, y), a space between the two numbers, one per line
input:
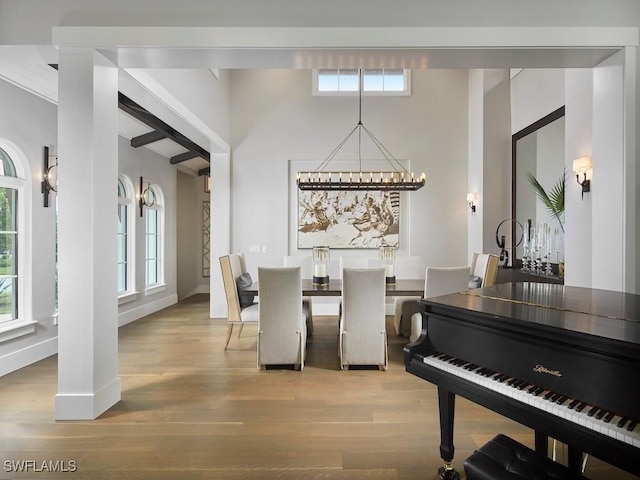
(49, 176)
(583, 165)
(147, 197)
(471, 200)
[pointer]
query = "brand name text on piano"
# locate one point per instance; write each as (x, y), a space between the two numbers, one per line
(543, 369)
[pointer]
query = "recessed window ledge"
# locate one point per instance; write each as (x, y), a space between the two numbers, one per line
(160, 287)
(128, 297)
(16, 329)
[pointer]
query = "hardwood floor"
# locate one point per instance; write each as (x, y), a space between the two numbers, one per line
(191, 410)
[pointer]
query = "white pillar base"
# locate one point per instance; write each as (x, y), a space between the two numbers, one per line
(87, 406)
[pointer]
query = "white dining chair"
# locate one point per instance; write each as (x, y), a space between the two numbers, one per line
(282, 325)
(439, 281)
(306, 271)
(363, 337)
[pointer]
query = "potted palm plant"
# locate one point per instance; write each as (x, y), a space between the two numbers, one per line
(554, 201)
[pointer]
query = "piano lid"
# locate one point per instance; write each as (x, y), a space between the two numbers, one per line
(603, 313)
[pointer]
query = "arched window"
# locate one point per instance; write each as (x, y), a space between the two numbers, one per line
(126, 238)
(14, 320)
(154, 241)
(8, 241)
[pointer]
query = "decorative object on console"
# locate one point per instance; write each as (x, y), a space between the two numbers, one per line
(147, 196)
(49, 176)
(501, 238)
(320, 258)
(471, 200)
(399, 178)
(387, 259)
(583, 165)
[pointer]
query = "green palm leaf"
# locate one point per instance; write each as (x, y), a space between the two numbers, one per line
(554, 200)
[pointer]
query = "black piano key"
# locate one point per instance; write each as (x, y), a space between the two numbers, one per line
(532, 389)
(581, 406)
(554, 397)
(633, 424)
(548, 395)
(592, 411)
(574, 404)
(562, 399)
(623, 421)
(608, 417)
(600, 413)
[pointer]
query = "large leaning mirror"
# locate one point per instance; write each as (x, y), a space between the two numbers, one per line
(539, 150)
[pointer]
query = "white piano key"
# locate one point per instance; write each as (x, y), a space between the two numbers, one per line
(561, 410)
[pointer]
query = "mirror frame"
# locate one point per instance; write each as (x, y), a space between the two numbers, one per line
(537, 125)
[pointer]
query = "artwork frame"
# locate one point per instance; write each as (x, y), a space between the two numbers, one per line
(206, 238)
(348, 219)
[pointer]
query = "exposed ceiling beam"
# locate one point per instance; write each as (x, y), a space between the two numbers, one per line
(132, 108)
(147, 138)
(204, 171)
(183, 157)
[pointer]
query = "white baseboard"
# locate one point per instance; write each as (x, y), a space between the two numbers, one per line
(198, 290)
(28, 355)
(87, 406)
(146, 309)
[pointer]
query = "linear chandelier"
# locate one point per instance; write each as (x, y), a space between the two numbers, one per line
(397, 178)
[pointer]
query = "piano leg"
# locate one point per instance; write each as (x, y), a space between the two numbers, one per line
(574, 459)
(446, 404)
(542, 443)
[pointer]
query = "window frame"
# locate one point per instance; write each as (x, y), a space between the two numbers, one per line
(158, 208)
(128, 203)
(23, 324)
(372, 93)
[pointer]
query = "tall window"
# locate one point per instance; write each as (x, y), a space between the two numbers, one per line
(154, 265)
(8, 239)
(340, 81)
(126, 283)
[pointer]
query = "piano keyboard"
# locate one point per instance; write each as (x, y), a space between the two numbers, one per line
(589, 416)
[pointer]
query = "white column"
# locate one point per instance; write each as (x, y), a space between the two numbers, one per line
(88, 382)
(220, 240)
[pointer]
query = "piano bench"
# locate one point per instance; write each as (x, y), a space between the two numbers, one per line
(504, 458)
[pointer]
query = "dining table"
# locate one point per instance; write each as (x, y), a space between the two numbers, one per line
(401, 288)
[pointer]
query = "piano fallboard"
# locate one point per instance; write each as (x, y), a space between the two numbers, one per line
(581, 343)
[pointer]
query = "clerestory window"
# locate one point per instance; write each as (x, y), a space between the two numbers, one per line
(342, 81)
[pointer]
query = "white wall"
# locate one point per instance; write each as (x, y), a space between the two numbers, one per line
(190, 236)
(30, 123)
(274, 119)
(579, 142)
(155, 169)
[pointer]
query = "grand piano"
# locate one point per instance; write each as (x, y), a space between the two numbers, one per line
(564, 361)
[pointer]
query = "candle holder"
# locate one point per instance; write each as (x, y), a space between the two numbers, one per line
(320, 258)
(388, 260)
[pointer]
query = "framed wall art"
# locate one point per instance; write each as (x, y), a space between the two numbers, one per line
(348, 218)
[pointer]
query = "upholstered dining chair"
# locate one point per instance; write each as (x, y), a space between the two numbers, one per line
(363, 337)
(439, 281)
(282, 327)
(306, 271)
(232, 266)
(411, 268)
(485, 267)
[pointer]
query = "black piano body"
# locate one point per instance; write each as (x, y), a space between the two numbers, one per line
(579, 342)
